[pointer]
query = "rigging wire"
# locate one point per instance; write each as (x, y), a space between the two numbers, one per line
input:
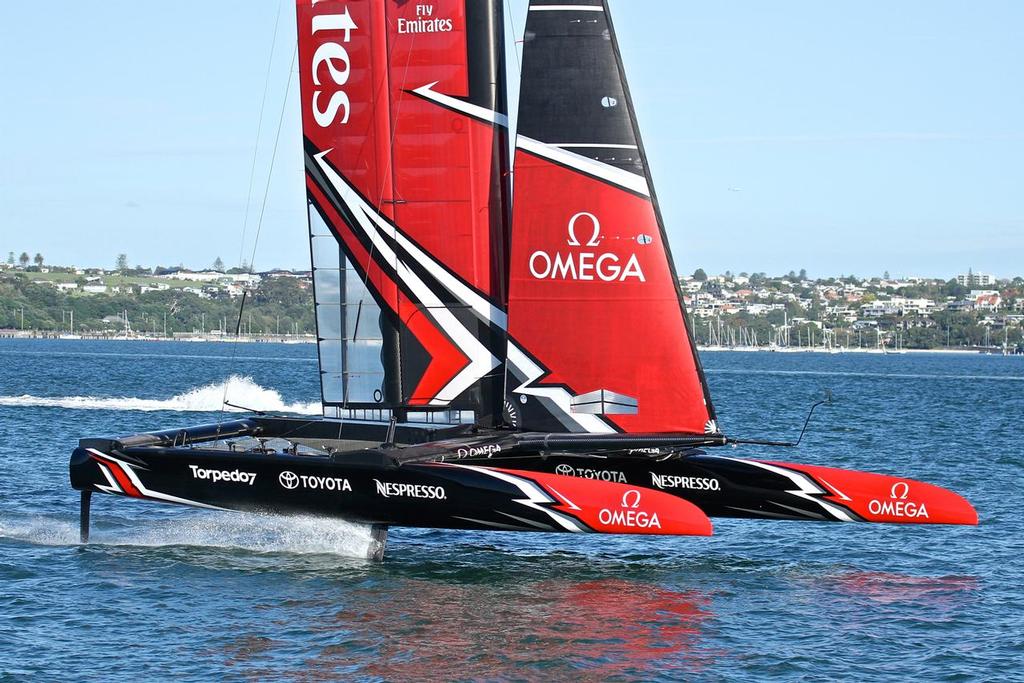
(384, 84)
(516, 44)
(248, 195)
(273, 157)
(263, 209)
(259, 132)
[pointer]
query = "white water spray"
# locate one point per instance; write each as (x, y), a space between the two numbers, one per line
(259, 533)
(241, 391)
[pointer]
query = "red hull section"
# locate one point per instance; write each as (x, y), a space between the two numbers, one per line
(882, 498)
(612, 508)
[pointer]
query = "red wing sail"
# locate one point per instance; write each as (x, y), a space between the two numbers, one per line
(405, 133)
(598, 338)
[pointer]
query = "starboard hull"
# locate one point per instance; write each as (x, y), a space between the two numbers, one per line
(724, 486)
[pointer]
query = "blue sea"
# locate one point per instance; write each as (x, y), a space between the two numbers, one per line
(172, 593)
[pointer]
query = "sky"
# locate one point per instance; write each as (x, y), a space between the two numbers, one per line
(841, 137)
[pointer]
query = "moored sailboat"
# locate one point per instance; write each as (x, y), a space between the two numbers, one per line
(492, 354)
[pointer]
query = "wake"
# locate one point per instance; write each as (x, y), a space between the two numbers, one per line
(241, 391)
(259, 533)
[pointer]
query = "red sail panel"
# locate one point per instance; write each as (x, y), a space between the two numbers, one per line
(403, 117)
(343, 73)
(598, 337)
(449, 140)
(593, 301)
(433, 144)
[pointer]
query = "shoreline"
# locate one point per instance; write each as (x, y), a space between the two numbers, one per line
(310, 339)
(840, 351)
(222, 339)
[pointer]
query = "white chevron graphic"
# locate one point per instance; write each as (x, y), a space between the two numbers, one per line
(562, 398)
(472, 110)
(379, 231)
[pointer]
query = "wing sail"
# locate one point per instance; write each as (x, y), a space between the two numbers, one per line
(404, 122)
(599, 339)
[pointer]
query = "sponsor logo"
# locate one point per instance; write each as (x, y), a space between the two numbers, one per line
(292, 481)
(216, 476)
(645, 451)
(897, 504)
(331, 67)
(586, 473)
(673, 481)
(473, 451)
(389, 488)
(511, 412)
(425, 22)
(585, 262)
(628, 514)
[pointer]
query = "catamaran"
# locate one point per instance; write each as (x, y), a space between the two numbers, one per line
(502, 338)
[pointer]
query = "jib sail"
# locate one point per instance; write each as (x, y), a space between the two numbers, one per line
(598, 337)
(404, 127)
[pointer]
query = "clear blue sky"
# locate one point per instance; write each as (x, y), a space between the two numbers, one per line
(841, 137)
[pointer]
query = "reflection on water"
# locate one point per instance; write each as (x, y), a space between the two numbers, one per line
(889, 588)
(410, 622)
(417, 628)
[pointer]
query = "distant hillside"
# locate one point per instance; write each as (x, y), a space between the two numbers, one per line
(44, 301)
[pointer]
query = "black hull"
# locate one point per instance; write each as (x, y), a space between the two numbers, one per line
(464, 478)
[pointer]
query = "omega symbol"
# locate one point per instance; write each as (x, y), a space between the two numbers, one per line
(595, 226)
(900, 490)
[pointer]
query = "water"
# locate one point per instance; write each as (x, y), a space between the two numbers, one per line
(175, 593)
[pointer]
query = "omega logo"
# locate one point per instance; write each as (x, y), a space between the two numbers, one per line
(580, 263)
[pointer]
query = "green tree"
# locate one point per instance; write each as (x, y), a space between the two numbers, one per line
(10, 258)
(23, 259)
(954, 289)
(699, 275)
(38, 260)
(218, 265)
(803, 273)
(122, 262)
